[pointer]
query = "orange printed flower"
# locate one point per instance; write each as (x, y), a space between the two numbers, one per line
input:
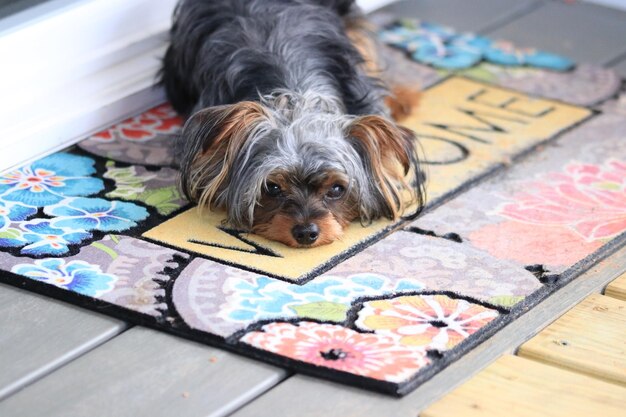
(333, 346)
(160, 120)
(428, 321)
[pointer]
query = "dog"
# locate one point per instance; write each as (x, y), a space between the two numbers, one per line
(286, 130)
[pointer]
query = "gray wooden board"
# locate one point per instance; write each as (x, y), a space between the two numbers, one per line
(143, 372)
(583, 32)
(464, 15)
(38, 335)
(620, 67)
(304, 396)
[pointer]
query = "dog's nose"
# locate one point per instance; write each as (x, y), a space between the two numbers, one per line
(305, 234)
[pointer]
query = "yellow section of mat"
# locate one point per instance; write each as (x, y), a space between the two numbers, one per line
(519, 387)
(465, 128)
(590, 338)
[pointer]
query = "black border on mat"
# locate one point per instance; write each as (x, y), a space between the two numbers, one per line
(397, 389)
(438, 362)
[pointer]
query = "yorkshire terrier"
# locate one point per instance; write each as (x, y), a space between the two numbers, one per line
(286, 130)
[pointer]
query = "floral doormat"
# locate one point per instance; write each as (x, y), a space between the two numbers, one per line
(525, 155)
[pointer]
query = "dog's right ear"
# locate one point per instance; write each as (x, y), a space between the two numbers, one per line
(209, 145)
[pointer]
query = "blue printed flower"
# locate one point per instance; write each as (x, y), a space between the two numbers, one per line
(264, 298)
(77, 276)
(49, 180)
(42, 238)
(444, 48)
(451, 56)
(13, 213)
(96, 214)
(12, 238)
(413, 37)
(505, 53)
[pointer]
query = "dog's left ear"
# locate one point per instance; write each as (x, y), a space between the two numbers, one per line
(210, 142)
(389, 154)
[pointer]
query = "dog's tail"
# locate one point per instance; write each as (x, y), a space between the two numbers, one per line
(342, 7)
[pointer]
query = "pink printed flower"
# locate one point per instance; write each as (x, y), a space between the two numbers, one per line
(427, 321)
(531, 244)
(588, 199)
(160, 120)
(332, 346)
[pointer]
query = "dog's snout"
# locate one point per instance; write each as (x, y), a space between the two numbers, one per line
(305, 234)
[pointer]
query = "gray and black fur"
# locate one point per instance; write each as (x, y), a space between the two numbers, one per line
(277, 99)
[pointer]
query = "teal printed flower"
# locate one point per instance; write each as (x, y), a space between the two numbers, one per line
(96, 214)
(49, 180)
(450, 57)
(444, 48)
(505, 53)
(42, 238)
(325, 298)
(13, 213)
(77, 276)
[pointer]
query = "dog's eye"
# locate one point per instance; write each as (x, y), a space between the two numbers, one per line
(273, 190)
(335, 192)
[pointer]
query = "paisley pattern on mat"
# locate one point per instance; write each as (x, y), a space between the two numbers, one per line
(223, 299)
(122, 270)
(154, 188)
(392, 303)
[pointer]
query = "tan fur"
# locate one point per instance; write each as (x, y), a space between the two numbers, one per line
(384, 143)
(330, 229)
(279, 229)
(360, 32)
(402, 102)
(403, 99)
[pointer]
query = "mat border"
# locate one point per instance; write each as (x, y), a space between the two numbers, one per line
(439, 363)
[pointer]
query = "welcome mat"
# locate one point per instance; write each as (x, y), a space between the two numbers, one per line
(103, 225)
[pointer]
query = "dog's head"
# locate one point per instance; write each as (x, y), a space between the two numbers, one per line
(297, 176)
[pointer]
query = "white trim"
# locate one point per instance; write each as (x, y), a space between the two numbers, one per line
(54, 95)
(81, 39)
(66, 116)
(617, 4)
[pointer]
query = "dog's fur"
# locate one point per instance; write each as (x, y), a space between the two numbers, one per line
(285, 129)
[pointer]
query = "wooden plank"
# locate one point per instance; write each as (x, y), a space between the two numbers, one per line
(463, 15)
(581, 31)
(305, 396)
(590, 338)
(617, 288)
(38, 335)
(146, 373)
(515, 386)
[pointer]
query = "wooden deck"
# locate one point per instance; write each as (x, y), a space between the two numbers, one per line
(60, 360)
